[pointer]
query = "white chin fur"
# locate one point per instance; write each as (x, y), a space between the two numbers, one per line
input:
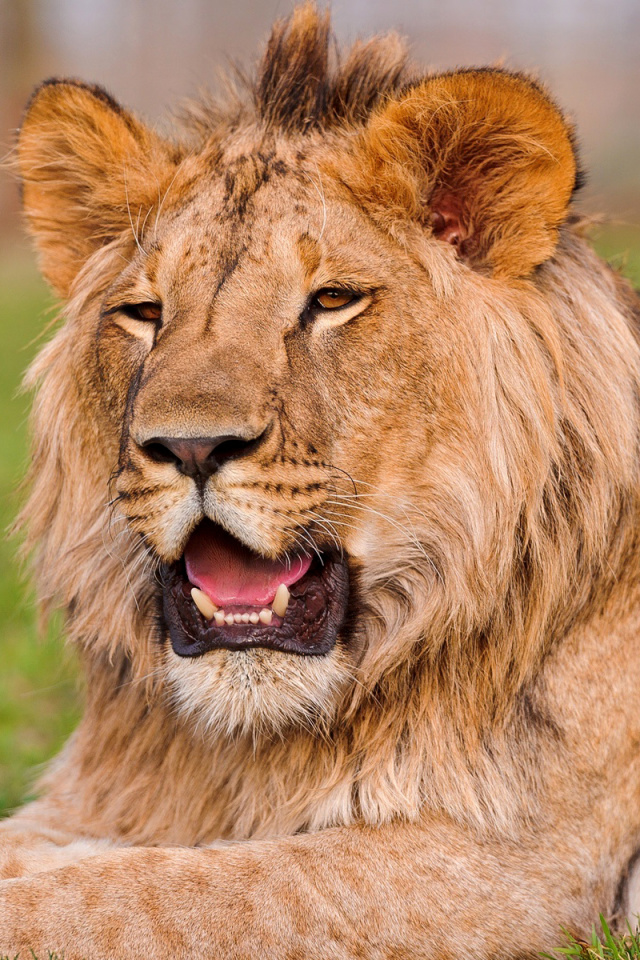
(256, 691)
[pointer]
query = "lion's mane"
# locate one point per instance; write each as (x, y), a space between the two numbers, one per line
(528, 521)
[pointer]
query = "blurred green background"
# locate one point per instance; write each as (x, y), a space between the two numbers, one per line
(149, 53)
(38, 690)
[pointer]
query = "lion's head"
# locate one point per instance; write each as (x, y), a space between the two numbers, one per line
(333, 358)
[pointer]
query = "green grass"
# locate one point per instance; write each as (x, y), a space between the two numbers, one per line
(39, 704)
(605, 947)
(32, 956)
(620, 245)
(38, 698)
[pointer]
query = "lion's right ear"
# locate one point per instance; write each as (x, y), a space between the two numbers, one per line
(482, 158)
(89, 170)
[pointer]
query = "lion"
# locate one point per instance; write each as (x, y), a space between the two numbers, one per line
(336, 478)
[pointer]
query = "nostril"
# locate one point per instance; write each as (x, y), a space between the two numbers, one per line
(160, 453)
(192, 457)
(199, 456)
(233, 447)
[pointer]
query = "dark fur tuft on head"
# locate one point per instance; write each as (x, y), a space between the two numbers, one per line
(292, 89)
(303, 84)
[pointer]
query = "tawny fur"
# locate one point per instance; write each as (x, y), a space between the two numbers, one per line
(464, 763)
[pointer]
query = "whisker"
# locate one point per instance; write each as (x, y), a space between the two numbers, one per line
(166, 194)
(324, 522)
(394, 523)
(133, 230)
(308, 539)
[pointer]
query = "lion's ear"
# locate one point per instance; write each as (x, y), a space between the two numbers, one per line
(88, 170)
(482, 156)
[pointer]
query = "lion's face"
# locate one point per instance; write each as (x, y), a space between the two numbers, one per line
(294, 350)
(273, 363)
(276, 376)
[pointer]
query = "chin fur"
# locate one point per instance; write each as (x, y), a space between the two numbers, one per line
(258, 692)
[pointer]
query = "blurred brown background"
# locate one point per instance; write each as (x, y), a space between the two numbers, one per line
(149, 53)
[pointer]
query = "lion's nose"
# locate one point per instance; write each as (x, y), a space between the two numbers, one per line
(198, 456)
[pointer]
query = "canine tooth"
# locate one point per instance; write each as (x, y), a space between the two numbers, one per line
(281, 600)
(245, 618)
(202, 602)
(229, 618)
(219, 617)
(265, 616)
(254, 618)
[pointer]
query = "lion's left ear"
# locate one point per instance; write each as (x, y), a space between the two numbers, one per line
(483, 157)
(89, 170)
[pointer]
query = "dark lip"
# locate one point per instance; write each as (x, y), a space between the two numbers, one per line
(316, 612)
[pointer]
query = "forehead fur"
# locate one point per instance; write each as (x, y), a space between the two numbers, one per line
(303, 82)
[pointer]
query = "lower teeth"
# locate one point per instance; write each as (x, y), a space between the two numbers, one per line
(210, 612)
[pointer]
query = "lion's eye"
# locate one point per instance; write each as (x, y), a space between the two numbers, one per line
(143, 311)
(333, 299)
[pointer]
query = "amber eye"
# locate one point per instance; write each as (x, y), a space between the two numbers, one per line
(143, 311)
(333, 299)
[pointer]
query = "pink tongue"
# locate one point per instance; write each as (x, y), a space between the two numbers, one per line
(231, 575)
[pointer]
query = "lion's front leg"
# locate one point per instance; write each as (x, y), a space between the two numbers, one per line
(341, 893)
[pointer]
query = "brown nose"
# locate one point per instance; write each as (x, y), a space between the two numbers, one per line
(198, 457)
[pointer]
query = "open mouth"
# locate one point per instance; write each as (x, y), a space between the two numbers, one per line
(220, 594)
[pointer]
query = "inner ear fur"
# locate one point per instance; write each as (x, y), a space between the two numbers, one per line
(86, 166)
(483, 158)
